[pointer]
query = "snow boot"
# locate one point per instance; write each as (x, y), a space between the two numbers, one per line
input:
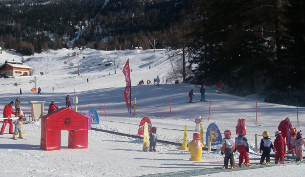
(263, 163)
(226, 166)
(14, 137)
(240, 164)
(154, 150)
(233, 166)
(268, 163)
(276, 162)
(20, 137)
(282, 162)
(247, 164)
(150, 150)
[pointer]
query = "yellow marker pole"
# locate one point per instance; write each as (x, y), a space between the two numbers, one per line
(134, 107)
(184, 142)
(201, 135)
(145, 138)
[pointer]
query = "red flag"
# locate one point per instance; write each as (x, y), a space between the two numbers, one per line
(127, 92)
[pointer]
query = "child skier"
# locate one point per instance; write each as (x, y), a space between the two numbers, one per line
(153, 139)
(18, 123)
(266, 146)
(280, 147)
(293, 136)
(299, 146)
(242, 146)
(228, 148)
(191, 94)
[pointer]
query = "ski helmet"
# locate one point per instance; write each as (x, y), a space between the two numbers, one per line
(265, 134)
(196, 136)
(227, 133)
(278, 133)
(153, 129)
(241, 133)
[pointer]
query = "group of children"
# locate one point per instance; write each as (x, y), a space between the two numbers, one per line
(241, 145)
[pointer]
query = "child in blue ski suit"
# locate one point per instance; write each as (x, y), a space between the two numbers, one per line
(153, 139)
(266, 146)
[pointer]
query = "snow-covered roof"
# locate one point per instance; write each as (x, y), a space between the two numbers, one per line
(19, 66)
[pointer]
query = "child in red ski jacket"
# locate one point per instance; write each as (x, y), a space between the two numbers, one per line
(242, 146)
(280, 147)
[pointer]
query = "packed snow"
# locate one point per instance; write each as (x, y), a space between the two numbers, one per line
(56, 72)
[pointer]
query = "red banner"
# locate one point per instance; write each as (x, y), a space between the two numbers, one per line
(127, 92)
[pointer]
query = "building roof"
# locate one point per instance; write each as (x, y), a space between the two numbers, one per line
(19, 66)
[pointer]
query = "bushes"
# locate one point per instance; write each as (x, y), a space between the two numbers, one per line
(25, 48)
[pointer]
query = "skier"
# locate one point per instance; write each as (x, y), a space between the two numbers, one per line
(153, 139)
(18, 123)
(299, 146)
(293, 136)
(8, 110)
(228, 148)
(280, 147)
(242, 146)
(20, 91)
(218, 85)
(202, 91)
(158, 80)
(52, 107)
(39, 91)
(69, 105)
(266, 146)
(67, 99)
(284, 127)
(191, 94)
(17, 106)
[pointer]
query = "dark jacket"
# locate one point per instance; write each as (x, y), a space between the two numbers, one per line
(266, 144)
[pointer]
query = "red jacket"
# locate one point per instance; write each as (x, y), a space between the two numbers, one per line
(279, 143)
(8, 110)
(283, 127)
(52, 108)
(218, 84)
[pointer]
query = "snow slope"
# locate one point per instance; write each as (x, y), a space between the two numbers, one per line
(114, 155)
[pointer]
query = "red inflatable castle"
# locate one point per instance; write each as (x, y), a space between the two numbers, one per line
(64, 119)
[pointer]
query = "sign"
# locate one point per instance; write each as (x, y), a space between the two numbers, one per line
(215, 134)
(142, 123)
(93, 116)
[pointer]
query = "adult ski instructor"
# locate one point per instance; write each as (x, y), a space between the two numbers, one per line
(8, 110)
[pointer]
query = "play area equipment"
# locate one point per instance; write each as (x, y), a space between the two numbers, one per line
(145, 138)
(37, 108)
(142, 123)
(64, 119)
(195, 148)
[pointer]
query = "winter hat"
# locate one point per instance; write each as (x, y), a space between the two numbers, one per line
(21, 117)
(153, 129)
(299, 134)
(196, 136)
(11, 102)
(227, 133)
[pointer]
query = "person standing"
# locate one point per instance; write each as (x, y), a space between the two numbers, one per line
(67, 99)
(158, 81)
(242, 146)
(153, 139)
(18, 124)
(285, 127)
(218, 85)
(39, 91)
(227, 149)
(17, 106)
(52, 107)
(299, 146)
(20, 91)
(191, 95)
(280, 147)
(8, 110)
(202, 91)
(266, 146)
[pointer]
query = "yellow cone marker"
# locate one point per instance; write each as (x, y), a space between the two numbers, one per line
(184, 142)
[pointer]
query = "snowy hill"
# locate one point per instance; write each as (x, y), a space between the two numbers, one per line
(114, 155)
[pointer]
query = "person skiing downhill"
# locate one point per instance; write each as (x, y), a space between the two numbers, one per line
(191, 94)
(266, 145)
(280, 147)
(242, 146)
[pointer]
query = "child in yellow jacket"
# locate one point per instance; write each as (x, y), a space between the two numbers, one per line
(228, 148)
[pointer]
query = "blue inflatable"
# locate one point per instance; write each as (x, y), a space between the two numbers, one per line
(215, 134)
(94, 116)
